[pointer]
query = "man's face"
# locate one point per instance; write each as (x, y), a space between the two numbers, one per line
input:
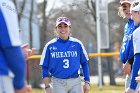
(126, 9)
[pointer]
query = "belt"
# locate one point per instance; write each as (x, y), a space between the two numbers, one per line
(75, 76)
(70, 77)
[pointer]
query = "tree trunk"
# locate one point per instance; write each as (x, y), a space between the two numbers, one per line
(30, 22)
(15, 3)
(91, 6)
(43, 27)
(20, 13)
(21, 10)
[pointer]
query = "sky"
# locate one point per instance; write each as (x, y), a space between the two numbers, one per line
(59, 3)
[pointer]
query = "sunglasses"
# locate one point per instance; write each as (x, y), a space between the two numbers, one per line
(63, 19)
(133, 12)
(135, 4)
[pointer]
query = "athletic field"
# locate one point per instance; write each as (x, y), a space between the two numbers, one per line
(119, 88)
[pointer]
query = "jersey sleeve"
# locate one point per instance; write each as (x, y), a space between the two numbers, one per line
(136, 40)
(83, 54)
(44, 62)
(135, 69)
(45, 56)
(15, 61)
(122, 49)
(84, 63)
(136, 64)
(9, 28)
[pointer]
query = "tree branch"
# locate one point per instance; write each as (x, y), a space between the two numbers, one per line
(21, 9)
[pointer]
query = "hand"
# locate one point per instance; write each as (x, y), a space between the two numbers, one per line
(48, 90)
(138, 91)
(27, 52)
(126, 68)
(86, 88)
(137, 79)
(129, 90)
(25, 89)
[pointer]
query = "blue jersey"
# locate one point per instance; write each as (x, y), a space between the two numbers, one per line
(136, 64)
(126, 51)
(62, 58)
(11, 56)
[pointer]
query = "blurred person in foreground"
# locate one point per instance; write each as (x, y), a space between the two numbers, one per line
(62, 58)
(12, 59)
(135, 11)
(126, 51)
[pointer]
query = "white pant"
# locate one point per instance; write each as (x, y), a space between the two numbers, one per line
(6, 84)
(72, 85)
(127, 81)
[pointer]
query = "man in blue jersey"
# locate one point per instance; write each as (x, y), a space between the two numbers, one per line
(136, 45)
(62, 58)
(11, 56)
(126, 51)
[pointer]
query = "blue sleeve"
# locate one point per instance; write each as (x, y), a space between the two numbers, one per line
(44, 62)
(15, 60)
(123, 45)
(45, 72)
(83, 54)
(9, 32)
(85, 71)
(84, 63)
(135, 69)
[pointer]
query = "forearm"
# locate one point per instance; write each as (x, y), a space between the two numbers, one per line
(126, 68)
(46, 81)
(16, 63)
(48, 87)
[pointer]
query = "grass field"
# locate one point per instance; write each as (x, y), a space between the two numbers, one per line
(119, 88)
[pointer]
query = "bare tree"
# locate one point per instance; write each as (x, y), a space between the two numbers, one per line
(30, 22)
(21, 8)
(43, 25)
(44, 22)
(91, 6)
(15, 3)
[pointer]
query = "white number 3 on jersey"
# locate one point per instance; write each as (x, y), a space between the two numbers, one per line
(66, 63)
